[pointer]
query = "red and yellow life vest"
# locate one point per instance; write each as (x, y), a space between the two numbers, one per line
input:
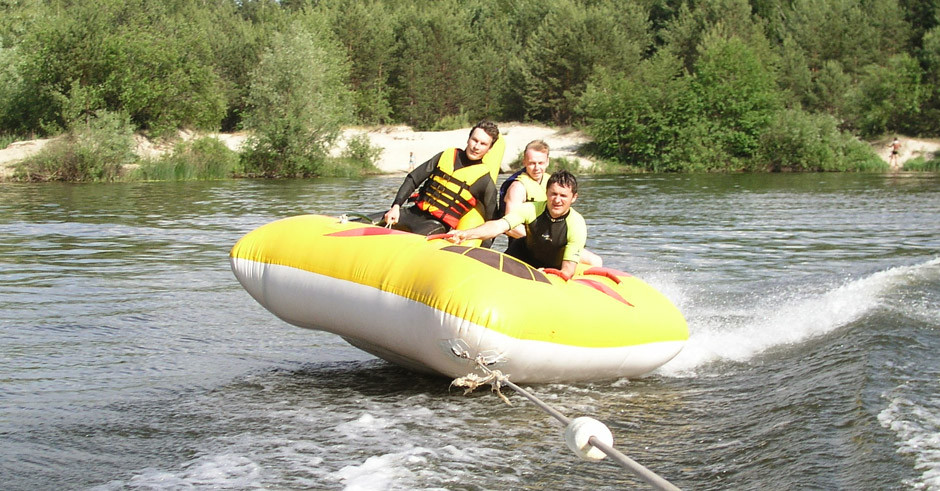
(446, 195)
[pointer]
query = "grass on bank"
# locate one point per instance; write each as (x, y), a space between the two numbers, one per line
(204, 158)
(99, 154)
(97, 149)
(920, 164)
(102, 149)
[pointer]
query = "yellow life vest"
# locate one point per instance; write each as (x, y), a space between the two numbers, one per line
(446, 194)
(534, 191)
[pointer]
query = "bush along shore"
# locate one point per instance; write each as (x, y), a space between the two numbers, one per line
(99, 153)
(102, 152)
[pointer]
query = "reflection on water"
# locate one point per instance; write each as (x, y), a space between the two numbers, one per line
(132, 358)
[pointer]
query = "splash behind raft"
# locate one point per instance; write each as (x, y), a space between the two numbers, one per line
(433, 306)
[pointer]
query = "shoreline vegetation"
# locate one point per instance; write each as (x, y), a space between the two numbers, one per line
(719, 86)
(358, 151)
(192, 156)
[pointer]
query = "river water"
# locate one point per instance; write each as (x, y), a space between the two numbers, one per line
(132, 359)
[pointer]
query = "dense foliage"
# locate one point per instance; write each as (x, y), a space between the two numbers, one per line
(660, 85)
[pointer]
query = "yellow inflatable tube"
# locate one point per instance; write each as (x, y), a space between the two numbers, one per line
(434, 306)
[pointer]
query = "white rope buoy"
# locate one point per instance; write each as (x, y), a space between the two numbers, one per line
(578, 434)
(587, 437)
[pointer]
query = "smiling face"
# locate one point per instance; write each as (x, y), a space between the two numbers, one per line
(478, 144)
(535, 164)
(560, 199)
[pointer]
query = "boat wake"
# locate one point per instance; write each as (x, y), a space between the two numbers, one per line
(751, 331)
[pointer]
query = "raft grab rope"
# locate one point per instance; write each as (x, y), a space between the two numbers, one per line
(587, 437)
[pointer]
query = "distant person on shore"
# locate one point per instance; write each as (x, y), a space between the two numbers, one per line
(449, 185)
(529, 185)
(894, 159)
(555, 233)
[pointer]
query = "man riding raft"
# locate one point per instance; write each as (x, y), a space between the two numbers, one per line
(538, 210)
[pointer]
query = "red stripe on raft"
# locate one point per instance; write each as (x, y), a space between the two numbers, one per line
(611, 273)
(603, 289)
(365, 232)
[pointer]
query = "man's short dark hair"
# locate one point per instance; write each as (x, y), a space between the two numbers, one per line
(564, 179)
(488, 127)
(537, 145)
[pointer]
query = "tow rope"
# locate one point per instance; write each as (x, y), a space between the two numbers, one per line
(587, 437)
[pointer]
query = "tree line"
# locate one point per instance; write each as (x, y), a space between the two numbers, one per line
(660, 85)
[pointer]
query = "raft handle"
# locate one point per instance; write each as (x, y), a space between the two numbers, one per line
(557, 272)
(440, 236)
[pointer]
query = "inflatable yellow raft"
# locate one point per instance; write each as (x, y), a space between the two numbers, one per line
(433, 306)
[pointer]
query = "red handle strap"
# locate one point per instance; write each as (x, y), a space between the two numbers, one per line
(557, 272)
(440, 236)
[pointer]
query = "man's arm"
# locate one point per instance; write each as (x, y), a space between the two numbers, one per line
(492, 228)
(515, 196)
(577, 237)
(414, 179)
(488, 230)
(568, 268)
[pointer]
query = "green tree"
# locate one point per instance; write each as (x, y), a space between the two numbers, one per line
(298, 102)
(522, 19)
(888, 98)
(11, 89)
(145, 59)
(738, 98)
(799, 141)
(367, 32)
(236, 41)
(856, 34)
(929, 119)
(636, 120)
(795, 79)
(839, 41)
(572, 41)
(921, 16)
(436, 51)
(488, 90)
(683, 34)
(663, 119)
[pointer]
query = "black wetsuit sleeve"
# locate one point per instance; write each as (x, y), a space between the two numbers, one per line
(490, 199)
(415, 178)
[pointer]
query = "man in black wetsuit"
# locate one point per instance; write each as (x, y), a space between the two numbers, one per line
(449, 185)
(555, 233)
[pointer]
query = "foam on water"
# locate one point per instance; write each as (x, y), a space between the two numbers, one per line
(380, 471)
(918, 430)
(778, 321)
(216, 471)
(300, 442)
(740, 333)
(247, 464)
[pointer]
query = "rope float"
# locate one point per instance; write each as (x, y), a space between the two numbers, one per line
(585, 436)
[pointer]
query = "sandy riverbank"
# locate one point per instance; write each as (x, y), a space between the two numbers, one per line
(398, 143)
